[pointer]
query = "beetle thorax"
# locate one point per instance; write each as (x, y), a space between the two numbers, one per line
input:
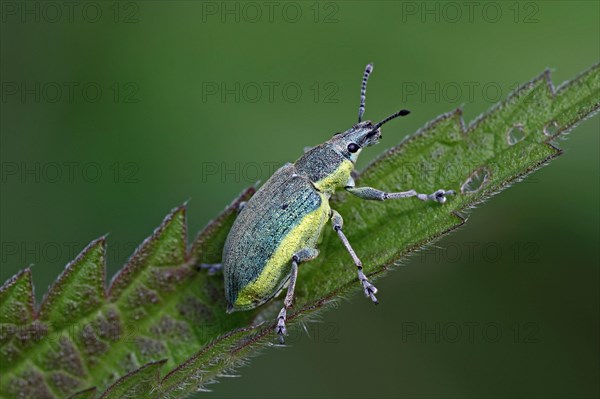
(325, 167)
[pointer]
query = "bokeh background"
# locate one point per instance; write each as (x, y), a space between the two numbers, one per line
(114, 113)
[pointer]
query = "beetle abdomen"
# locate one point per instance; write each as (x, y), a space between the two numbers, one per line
(284, 216)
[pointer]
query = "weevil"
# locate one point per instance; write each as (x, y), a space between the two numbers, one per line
(280, 225)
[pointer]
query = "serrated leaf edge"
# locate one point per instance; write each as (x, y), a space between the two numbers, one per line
(55, 289)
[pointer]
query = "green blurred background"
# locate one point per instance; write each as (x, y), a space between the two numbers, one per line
(114, 113)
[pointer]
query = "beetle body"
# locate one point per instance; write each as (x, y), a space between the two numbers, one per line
(284, 216)
(279, 227)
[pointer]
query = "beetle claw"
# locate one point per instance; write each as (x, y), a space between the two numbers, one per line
(440, 195)
(280, 329)
(369, 289)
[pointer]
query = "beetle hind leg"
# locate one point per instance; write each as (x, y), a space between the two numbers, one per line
(369, 289)
(303, 255)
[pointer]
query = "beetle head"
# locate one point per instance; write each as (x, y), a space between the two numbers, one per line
(351, 142)
(364, 134)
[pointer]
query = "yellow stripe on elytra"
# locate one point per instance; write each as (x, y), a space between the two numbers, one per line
(269, 280)
(336, 179)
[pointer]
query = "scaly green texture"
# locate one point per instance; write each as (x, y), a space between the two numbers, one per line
(160, 328)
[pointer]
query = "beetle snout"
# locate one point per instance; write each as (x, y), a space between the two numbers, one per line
(372, 137)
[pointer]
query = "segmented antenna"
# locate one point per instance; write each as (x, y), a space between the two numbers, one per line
(402, 112)
(363, 91)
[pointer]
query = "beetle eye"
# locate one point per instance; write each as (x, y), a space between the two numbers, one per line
(353, 147)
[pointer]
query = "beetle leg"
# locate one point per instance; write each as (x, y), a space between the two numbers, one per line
(303, 255)
(369, 193)
(369, 289)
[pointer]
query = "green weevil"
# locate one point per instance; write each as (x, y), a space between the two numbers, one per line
(280, 225)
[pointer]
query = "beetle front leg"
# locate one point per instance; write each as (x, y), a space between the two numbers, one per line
(304, 255)
(369, 289)
(370, 193)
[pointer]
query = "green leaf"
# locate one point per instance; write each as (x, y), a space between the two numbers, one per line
(16, 300)
(160, 328)
(79, 290)
(85, 394)
(140, 383)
